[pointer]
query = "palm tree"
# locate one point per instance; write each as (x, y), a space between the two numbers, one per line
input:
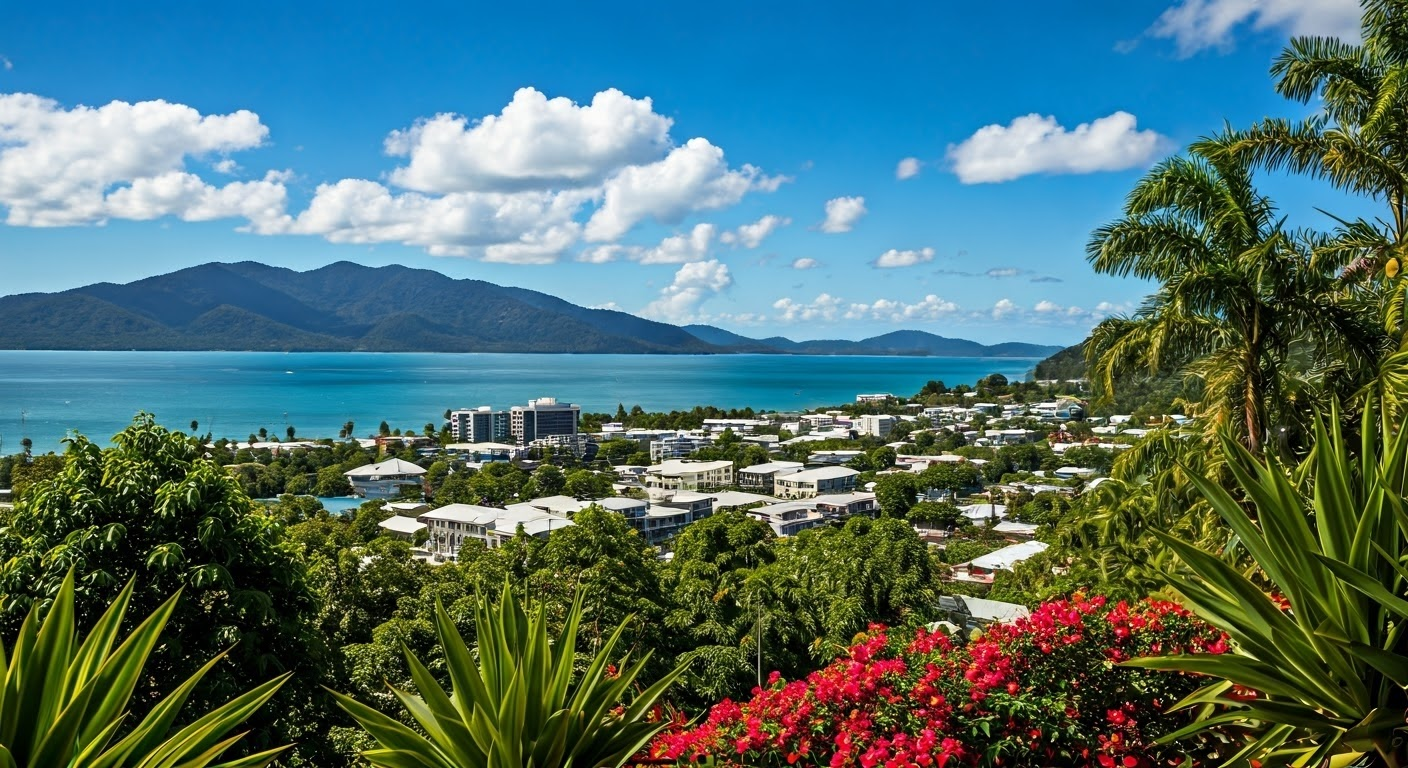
(1240, 298)
(1358, 140)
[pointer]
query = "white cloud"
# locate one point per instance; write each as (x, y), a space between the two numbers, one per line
(693, 284)
(805, 263)
(6, 63)
(1047, 307)
(842, 213)
(693, 177)
(1195, 25)
(510, 187)
(534, 143)
(828, 308)
(908, 168)
(1035, 144)
(58, 166)
(896, 258)
(1005, 272)
(522, 227)
(1003, 308)
(679, 249)
(752, 235)
(187, 197)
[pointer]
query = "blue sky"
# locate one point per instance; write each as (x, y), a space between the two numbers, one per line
(740, 164)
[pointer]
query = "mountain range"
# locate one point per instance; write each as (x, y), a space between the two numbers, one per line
(349, 307)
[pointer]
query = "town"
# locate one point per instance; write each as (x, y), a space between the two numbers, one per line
(976, 471)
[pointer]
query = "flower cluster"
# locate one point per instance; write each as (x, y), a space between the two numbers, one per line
(1045, 690)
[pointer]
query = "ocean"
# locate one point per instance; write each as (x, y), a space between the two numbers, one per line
(45, 395)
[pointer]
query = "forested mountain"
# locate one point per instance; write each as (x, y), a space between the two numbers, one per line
(345, 306)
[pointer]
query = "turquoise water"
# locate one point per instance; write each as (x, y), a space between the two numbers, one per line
(45, 394)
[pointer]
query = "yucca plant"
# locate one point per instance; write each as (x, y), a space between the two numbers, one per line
(1330, 663)
(64, 703)
(522, 705)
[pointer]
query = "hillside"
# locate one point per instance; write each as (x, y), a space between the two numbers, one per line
(349, 307)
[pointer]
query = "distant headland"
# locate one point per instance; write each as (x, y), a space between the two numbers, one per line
(248, 306)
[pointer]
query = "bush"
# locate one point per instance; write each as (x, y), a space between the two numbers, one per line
(1047, 690)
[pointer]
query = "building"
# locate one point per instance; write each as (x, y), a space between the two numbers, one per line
(815, 482)
(788, 518)
(879, 426)
(480, 425)
(760, 478)
(685, 475)
(677, 446)
(542, 418)
(449, 527)
(384, 479)
(840, 505)
(402, 527)
(876, 397)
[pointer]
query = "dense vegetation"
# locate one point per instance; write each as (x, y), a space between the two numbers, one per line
(1235, 593)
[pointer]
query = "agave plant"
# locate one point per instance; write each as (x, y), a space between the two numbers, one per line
(522, 704)
(1329, 663)
(63, 703)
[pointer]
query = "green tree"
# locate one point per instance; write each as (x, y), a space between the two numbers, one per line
(153, 508)
(1235, 290)
(586, 484)
(331, 482)
(896, 493)
(549, 480)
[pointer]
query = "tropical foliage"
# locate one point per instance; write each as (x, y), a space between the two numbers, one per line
(1043, 691)
(66, 701)
(525, 703)
(1317, 628)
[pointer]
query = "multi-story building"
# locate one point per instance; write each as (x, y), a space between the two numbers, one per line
(879, 426)
(788, 518)
(684, 475)
(480, 425)
(384, 479)
(841, 505)
(815, 482)
(544, 417)
(449, 527)
(761, 478)
(677, 446)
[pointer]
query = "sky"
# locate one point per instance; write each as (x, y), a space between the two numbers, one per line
(814, 170)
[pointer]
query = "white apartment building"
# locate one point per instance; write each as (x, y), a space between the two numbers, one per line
(815, 482)
(449, 527)
(788, 518)
(879, 426)
(762, 477)
(677, 446)
(685, 475)
(384, 479)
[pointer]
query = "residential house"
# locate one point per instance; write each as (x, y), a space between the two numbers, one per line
(384, 479)
(880, 426)
(761, 477)
(815, 482)
(840, 505)
(789, 519)
(685, 475)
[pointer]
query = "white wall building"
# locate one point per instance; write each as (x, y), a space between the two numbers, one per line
(685, 475)
(762, 477)
(384, 479)
(814, 482)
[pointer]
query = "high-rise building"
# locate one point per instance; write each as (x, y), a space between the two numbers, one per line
(480, 425)
(544, 417)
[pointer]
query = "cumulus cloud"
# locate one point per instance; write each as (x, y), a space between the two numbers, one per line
(752, 235)
(1003, 308)
(523, 227)
(1195, 25)
(1035, 144)
(534, 143)
(693, 284)
(679, 249)
(907, 168)
(693, 177)
(510, 187)
(59, 167)
(842, 213)
(828, 308)
(805, 263)
(896, 258)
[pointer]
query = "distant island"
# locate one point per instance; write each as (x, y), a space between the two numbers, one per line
(248, 306)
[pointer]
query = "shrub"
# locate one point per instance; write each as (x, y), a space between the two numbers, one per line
(1046, 690)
